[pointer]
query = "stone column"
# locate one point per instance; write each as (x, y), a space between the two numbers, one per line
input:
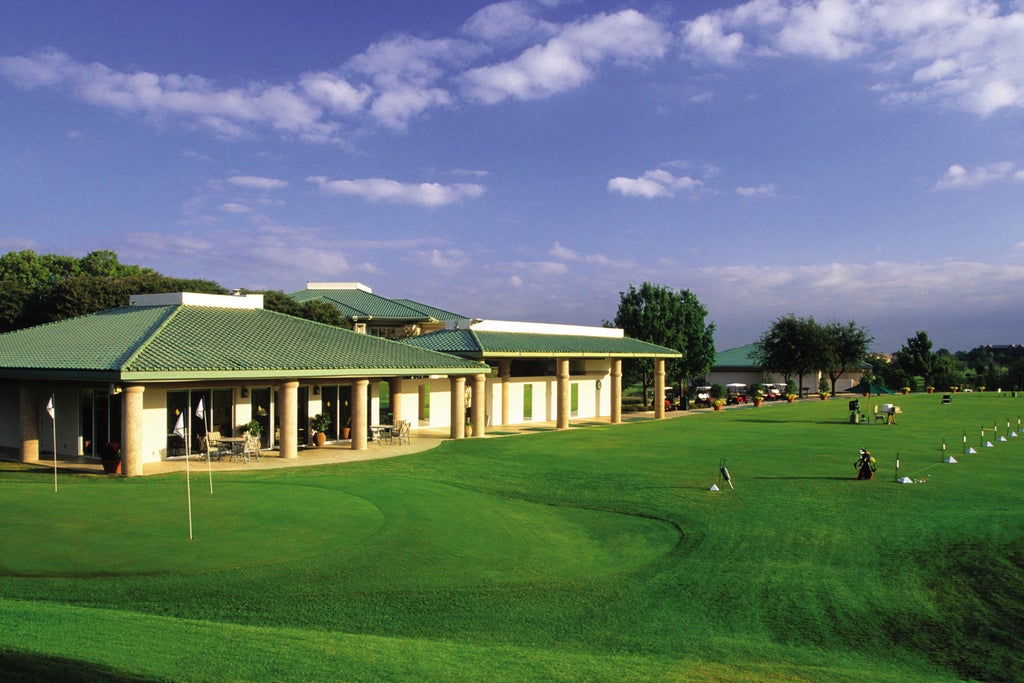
(478, 416)
(288, 417)
(360, 400)
(505, 371)
(562, 415)
(421, 403)
(659, 388)
(132, 427)
(616, 389)
(395, 387)
(458, 407)
(28, 414)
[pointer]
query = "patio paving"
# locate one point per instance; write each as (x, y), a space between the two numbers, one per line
(422, 439)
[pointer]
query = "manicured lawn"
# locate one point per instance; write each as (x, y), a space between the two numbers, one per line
(593, 554)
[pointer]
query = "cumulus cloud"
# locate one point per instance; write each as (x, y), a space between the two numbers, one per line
(654, 184)
(383, 189)
(507, 23)
(228, 111)
(964, 53)
(570, 58)
(257, 183)
(959, 178)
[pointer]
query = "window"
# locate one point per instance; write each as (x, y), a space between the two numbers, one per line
(100, 415)
(217, 415)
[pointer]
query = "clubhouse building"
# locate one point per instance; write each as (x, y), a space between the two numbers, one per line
(140, 376)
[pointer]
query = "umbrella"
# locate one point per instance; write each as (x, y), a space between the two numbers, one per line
(870, 388)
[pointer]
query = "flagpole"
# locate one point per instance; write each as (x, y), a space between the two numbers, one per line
(201, 414)
(188, 482)
(179, 429)
(53, 421)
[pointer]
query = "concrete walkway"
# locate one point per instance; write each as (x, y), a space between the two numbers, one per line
(421, 440)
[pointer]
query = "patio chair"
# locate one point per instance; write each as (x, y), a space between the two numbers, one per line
(401, 433)
(251, 448)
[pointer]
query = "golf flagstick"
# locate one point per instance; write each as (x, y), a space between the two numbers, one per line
(53, 421)
(201, 414)
(179, 429)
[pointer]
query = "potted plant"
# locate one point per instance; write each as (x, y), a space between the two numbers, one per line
(757, 392)
(905, 390)
(110, 457)
(347, 429)
(253, 427)
(320, 423)
(718, 403)
(823, 387)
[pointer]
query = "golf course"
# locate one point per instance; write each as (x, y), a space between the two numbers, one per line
(599, 553)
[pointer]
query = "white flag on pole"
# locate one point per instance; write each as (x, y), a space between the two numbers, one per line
(179, 426)
(49, 407)
(200, 411)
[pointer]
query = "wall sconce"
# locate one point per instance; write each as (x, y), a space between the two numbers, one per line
(316, 390)
(245, 392)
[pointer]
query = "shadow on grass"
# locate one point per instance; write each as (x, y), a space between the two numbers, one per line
(810, 478)
(22, 667)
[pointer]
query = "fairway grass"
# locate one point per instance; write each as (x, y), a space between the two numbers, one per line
(592, 554)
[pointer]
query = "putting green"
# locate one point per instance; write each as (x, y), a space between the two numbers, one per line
(125, 528)
(140, 527)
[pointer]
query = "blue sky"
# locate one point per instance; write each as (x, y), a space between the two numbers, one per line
(528, 160)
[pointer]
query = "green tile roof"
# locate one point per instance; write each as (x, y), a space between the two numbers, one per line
(739, 357)
(183, 342)
(358, 303)
(473, 344)
(435, 313)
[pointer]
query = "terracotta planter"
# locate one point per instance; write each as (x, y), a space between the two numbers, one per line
(345, 432)
(320, 439)
(758, 402)
(111, 466)
(790, 399)
(718, 407)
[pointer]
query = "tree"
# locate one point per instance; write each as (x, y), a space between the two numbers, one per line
(792, 346)
(318, 311)
(845, 345)
(657, 314)
(916, 357)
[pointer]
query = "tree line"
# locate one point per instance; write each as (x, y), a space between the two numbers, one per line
(42, 288)
(795, 347)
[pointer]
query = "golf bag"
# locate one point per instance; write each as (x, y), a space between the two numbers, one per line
(865, 466)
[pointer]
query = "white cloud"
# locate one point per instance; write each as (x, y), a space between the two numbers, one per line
(957, 177)
(965, 53)
(335, 92)
(654, 184)
(257, 183)
(227, 111)
(438, 259)
(231, 207)
(762, 190)
(507, 23)
(564, 253)
(406, 73)
(569, 59)
(383, 189)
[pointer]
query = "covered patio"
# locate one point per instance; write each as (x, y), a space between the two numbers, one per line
(135, 377)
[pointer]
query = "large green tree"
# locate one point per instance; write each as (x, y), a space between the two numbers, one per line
(792, 346)
(845, 346)
(675, 319)
(915, 358)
